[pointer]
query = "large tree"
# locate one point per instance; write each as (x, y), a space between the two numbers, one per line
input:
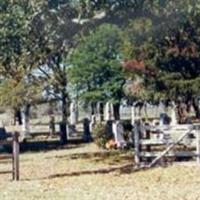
(170, 51)
(96, 69)
(19, 54)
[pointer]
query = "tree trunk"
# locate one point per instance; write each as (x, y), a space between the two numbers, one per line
(101, 111)
(63, 125)
(196, 107)
(93, 109)
(116, 110)
(17, 116)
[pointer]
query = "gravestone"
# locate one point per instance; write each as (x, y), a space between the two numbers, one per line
(164, 119)
(173, 115)
(52, 128)
(133, 114)
(92, 123)
(108, 111)
(73, 118)
(86, 130)
(100, 116)
(63, 133)
(118, 131)
(3, 136)
(25, 122)
(109, 128)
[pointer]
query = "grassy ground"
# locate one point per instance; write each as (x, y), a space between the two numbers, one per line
(83, 172)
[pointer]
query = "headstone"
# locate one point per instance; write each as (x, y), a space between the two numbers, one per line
(25, 122)
(73, 119)
(109, 128)
(3, 134)
(118, 131)
(99, 112)
(63, 133)
(92, 123)
(86, 130)
(156, 107)
(146, 108)
(108, 111)
(52, 125)
(164, 119)
(161, 107)
(73, 113)
(173, 115)
(162, 113)
(133, 114)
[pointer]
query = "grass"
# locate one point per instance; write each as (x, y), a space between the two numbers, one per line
(83, 172)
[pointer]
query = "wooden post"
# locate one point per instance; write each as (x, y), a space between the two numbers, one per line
(137, 141)
(148, 147)
(52, 128)
(16, 156)
(198, 143)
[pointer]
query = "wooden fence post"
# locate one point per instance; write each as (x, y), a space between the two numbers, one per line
(16, 156)
(198, 144)
(137, 141)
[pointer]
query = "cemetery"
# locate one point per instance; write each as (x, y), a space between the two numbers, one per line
(156, 143)
(99, 99)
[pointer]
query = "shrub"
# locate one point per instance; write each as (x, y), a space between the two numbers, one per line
(100, 135)
(127, 125)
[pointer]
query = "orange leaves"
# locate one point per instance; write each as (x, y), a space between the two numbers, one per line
(134, 65)
(138, 67)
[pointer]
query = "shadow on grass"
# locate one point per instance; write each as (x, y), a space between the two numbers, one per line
(48, 145)
(109, 157)
(125, 169)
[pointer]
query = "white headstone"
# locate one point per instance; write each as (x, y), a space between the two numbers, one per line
(99, 115)
(161, 107)
(161, 121)
(1, 124)
(108, 111)
(25, 122)
(173, 115)
(162, 112)
(92, 123)
(133, 115)
(118, 131)
(73, 113)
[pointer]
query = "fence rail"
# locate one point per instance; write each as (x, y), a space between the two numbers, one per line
(145, 145)
(14, 142)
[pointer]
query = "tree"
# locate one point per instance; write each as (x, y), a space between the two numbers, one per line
(19, 54)
(96, 70)
(179, 63)
(173, 52)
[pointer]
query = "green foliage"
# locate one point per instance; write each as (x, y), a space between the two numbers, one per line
(19, 52)
(170, 47)
(96, 69)
(100, 135)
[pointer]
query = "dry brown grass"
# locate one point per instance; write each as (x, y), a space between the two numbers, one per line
(79, 173)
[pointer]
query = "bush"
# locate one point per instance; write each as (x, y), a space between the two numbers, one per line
(100, 135)
(127, 125)
(128, 128)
